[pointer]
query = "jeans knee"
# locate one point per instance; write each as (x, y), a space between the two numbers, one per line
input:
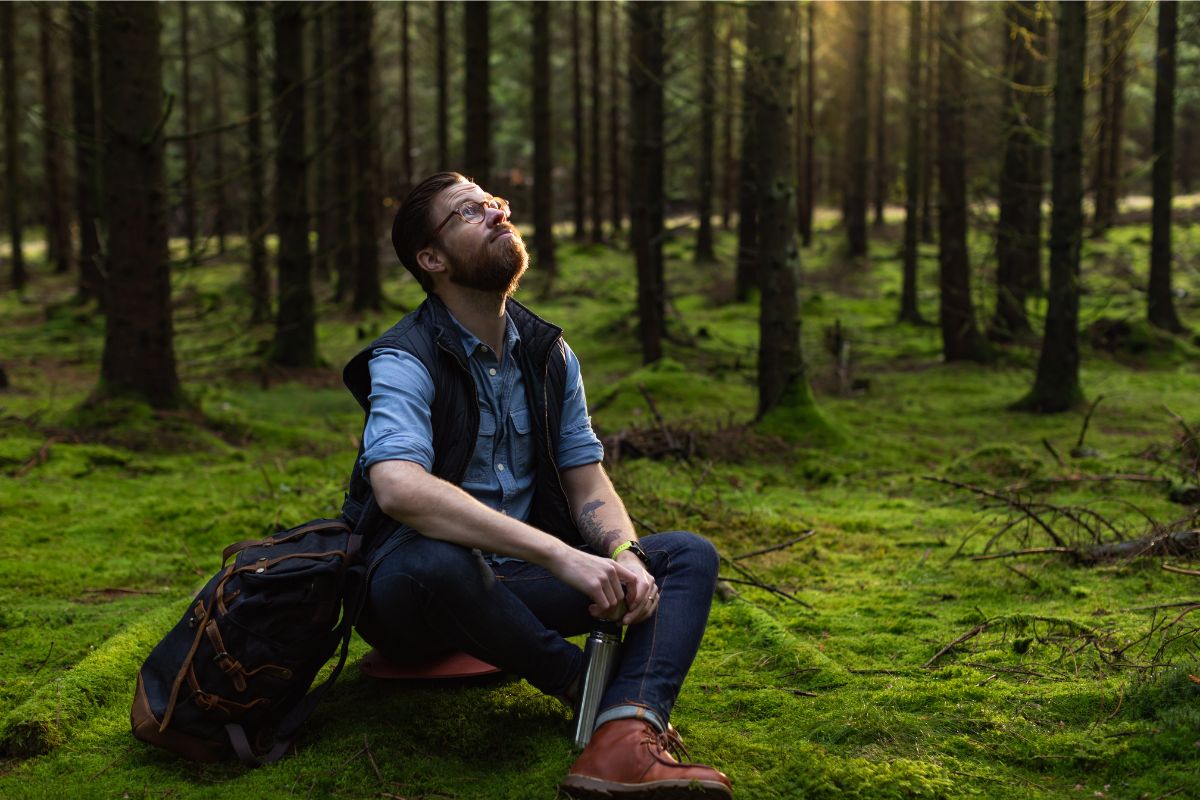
(688, 550)
(439, 568)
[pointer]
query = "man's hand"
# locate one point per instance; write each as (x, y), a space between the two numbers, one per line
(608, 583)
(641, 596)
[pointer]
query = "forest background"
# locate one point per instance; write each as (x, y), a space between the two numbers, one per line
(956, 507)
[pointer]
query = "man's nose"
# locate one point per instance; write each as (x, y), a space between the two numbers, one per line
(495, 216)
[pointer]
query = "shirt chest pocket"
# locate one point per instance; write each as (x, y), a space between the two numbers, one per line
(480, 469)
(521, 441)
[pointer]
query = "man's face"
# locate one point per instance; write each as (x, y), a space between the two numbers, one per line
(488, 256)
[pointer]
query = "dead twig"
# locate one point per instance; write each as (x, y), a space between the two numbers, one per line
(662, 425)
(1028, 552)
(1011, 568)
(1078, 450)
(43, 453)
(696, 486)
(1181, 570)
(766, 586)
(966, 637)
(1025, 508)
(371, 758)
(1053, 452)
(781, 546)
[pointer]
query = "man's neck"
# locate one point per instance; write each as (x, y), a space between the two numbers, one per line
(482, 313)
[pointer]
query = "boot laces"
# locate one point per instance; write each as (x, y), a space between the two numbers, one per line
(670, 741)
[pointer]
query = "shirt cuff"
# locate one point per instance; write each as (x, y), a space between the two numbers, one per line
(398, 446)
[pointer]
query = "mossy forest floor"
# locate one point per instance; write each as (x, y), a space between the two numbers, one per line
(112, 517)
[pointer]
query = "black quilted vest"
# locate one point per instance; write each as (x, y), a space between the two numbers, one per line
(429, 334)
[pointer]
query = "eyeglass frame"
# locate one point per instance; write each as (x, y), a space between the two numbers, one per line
(504, 209)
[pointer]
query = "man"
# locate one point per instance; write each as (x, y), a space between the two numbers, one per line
(511, 535)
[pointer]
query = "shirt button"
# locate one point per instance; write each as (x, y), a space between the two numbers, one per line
(500, 467)
(492, 371)
(483, 347)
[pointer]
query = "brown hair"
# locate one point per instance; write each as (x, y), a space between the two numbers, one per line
(413, 223)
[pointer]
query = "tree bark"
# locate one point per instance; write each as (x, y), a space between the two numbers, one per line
(443, 102)
(12, 144)
(646, 65)
(881, 181)
(708, 109)
(295, 342)
(1100, 177)
(407, 178)
(808, 190)
(577, 173)
(1056, 387)
(728, 165)
(188, 193)
(87, 179)
(324, 219)
(748, 277)
(615, 83)
(929, 153)
(909, 311)
(216, 95)
(368, 293)
(341, 200)
(1160, 308)
(257, 279)
(58, 215)
(781, 374)
(1019, 230)
(961, 339)
(597, 204)
(543, 147)
(854, 201)
(477, 130)
(1116, 130)
(139, 356)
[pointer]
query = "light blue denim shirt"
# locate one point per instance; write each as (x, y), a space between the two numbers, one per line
(500, 474)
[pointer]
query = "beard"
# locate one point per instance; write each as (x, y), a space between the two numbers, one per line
(497, 267)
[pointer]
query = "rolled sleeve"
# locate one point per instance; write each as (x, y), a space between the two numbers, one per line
(577, 442)
(399, 427)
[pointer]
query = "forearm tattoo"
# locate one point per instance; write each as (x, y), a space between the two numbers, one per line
(601, 539)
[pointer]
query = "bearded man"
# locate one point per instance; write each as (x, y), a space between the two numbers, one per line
(511, 536)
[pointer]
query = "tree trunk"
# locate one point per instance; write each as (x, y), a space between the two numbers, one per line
(407, 179)
(477, 131)
(646, 64)
(543, 147)
(1161, 305)
(295, 322)
(87, 180)
(748, 277)
(216, 93)
(325, 221)
(58, 216)
(854, 202)
(597, 203)
(808, 191)
(708, 109)
(1100, 177)
(615, 83)
(443, 82)
(12, 143)
(909, 311)
(367, 291)
(881, 181)
(929, 152)
(729, 107)
(781, 375)
(577, 130)
(1116, 130)
(1056, 387)
(961, 340)
(1187, 148)
(189, 142)
(257, 279)
(341, 201)
(1019, 230)
(139, 356)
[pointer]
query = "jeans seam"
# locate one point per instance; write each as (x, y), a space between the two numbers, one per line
(654, 630)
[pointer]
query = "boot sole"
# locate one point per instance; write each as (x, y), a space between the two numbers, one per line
(581, 787)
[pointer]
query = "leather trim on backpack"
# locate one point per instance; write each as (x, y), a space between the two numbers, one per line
(148, 729)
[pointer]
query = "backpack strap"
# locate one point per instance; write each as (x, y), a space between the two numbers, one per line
(354, 594)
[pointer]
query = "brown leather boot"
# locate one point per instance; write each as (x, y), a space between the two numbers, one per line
(629, 759)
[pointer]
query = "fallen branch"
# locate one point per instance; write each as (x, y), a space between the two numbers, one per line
(1032, 551)
(766, 586)
(971, 634)
(43, 453)
(781, 546)
(1181, 570)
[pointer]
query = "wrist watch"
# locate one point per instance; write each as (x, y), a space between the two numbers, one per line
(634, 547)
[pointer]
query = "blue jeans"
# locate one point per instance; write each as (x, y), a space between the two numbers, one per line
(427, 597)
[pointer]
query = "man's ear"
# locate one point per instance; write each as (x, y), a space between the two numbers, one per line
(431, 260)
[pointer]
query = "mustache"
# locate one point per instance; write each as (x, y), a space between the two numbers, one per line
(505, 227)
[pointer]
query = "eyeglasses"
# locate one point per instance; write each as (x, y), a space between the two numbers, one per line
(473, 212)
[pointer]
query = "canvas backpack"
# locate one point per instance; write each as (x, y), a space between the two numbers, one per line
(232, 677)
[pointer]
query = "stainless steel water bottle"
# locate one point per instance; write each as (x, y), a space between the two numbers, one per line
(600, 657)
